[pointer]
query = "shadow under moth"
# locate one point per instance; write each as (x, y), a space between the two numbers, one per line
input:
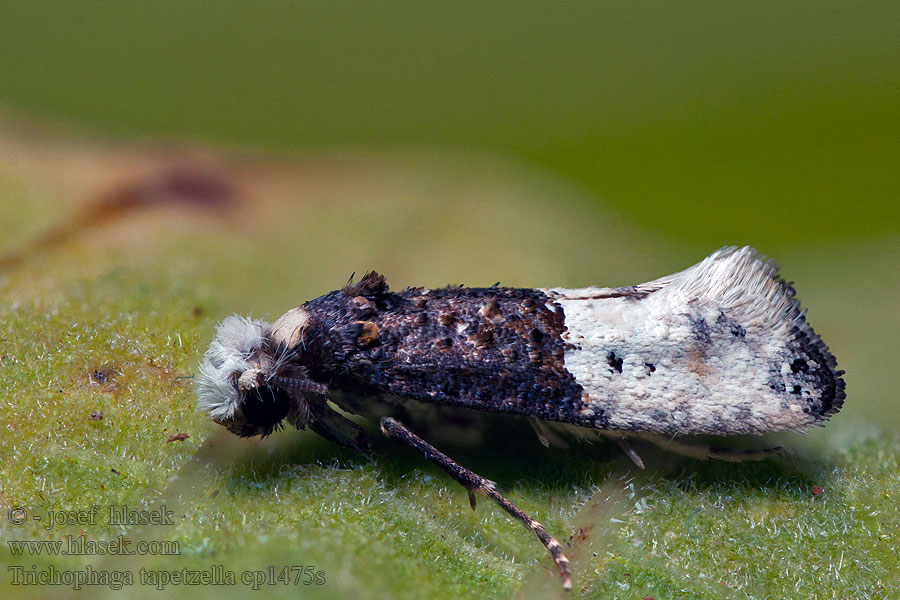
(720, 348)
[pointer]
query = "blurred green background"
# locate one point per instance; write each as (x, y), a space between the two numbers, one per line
(765, 123)
(535, 144)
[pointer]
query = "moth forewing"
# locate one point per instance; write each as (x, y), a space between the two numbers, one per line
(720, 348)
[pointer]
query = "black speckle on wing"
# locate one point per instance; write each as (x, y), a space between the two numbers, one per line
(614, 362)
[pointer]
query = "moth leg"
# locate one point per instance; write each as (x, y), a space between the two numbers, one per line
(702, 452)
(545, 435)
(622, 441)
(475, 483)
(630, 452)
(336, 428)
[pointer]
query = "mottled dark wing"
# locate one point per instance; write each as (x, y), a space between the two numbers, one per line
(493, 349)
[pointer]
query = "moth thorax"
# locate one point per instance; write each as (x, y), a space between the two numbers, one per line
(287, 331)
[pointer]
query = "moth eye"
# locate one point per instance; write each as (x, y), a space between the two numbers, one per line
(266, 406)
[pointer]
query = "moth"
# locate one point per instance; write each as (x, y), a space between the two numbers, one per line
(719, 348)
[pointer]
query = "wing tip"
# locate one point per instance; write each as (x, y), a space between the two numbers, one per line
(748, 284)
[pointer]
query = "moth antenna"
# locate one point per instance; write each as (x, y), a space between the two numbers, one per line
(299, 385)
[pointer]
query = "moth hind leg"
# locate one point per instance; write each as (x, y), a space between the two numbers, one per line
(704, 452)
(476, 484)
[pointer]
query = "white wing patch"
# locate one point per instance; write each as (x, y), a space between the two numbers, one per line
(720, 348)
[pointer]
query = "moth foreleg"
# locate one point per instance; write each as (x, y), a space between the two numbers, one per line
(337, 429)
(475, 483)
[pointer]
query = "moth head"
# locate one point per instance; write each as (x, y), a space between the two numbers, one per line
(236, 380)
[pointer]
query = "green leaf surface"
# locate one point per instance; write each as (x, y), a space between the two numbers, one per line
(114, 279)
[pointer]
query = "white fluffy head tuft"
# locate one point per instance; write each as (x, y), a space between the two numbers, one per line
(237, 339)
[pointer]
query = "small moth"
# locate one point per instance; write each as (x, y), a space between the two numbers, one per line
(719, 348)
